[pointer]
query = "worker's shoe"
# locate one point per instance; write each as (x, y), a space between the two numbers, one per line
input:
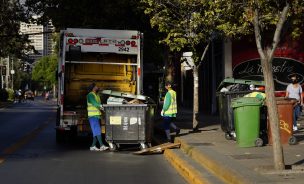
(103, 147)
(94, 148)
(168, 141)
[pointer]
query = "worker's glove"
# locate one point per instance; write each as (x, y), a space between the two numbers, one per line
(101, 107)
(162, 113)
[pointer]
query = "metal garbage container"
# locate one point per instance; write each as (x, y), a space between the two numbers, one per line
(128, 122)
(285, 112)
(234, 88)
(247, 121)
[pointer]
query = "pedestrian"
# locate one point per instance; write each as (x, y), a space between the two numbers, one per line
(169, 111)
(19, 92)
(94, 108)
(294, 90)
(47, 94)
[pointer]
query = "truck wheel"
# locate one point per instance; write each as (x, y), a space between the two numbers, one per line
(58, 116)
(60, 138)
(259, 142)
(292, 140)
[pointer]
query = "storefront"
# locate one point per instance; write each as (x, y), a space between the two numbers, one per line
(288, 60)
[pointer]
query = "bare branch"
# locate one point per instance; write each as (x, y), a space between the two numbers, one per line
(277, 34)
(203, 55)
(257, 33)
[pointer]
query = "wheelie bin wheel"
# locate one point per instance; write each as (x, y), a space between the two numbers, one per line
(259, 142)
(143, 146)
(292, 140)
(228, 136)
(149, 145)
(113, 146)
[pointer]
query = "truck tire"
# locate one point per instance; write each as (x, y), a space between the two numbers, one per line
(58, 116)
(60, 137)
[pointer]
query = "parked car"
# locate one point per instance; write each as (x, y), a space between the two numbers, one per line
(29, 95)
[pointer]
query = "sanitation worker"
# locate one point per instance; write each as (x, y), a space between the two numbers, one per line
(169, 111)
(94, 114)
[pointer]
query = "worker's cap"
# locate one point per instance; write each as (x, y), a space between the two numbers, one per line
(91, 86)
(168, 83)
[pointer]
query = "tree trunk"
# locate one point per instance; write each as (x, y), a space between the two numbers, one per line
(273, 114)
(54, 91)
(195, 98)
(266, 61)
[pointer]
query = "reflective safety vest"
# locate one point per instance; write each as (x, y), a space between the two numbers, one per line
(173, 106)
(92, 110)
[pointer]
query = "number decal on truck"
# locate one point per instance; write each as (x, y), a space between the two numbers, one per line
(123, 49)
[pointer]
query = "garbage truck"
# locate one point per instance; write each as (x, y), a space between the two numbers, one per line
(110, 58)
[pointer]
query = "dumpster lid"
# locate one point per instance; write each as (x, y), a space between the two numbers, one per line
(230, 80)
(283, 101)
(124, 95)
(246, 101)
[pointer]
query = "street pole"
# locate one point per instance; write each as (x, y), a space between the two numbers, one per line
(1, 72)
(7, 73)
(12, 72)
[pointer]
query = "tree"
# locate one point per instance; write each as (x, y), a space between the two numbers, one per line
(188, 25)
(263, 17)
(12, 43)
(44, 70)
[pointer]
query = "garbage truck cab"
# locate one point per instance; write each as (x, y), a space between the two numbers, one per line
(110, 58)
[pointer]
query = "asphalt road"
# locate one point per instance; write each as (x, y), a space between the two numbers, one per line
(29, 154)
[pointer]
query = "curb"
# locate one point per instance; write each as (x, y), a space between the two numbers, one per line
(218, 167)
(190, 174)
(5, 104)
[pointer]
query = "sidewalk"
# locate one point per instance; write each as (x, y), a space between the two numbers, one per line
(207, 151)
(5, 104)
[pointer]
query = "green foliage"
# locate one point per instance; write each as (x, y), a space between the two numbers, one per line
(107, 14)
(100, 14)
(239, 14)
(186, 23)
(11, 94)
(12, 43)
(44, 69)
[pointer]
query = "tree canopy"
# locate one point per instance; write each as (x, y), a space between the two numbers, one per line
(12, 43)
(100, 14)
(187, 24)
(44, 69)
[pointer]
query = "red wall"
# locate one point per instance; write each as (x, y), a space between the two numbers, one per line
(246, 49)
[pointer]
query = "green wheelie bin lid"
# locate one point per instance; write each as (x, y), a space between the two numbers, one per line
(246, 101)
(229, 81)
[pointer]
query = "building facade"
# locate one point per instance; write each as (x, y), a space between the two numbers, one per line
(40, 37)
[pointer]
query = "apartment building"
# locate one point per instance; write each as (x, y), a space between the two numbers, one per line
(43, 43)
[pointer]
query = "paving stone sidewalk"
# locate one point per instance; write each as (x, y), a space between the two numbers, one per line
(232, 164)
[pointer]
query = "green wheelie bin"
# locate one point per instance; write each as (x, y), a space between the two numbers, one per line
(247, 121)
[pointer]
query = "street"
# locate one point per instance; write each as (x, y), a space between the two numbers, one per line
(29, 154)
